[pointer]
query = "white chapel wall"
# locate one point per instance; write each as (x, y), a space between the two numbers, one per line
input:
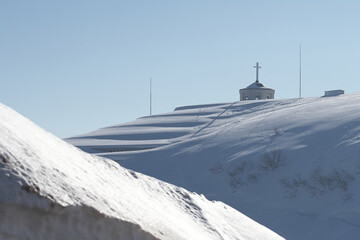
(254, 94)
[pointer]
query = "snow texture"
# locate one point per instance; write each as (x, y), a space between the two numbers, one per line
(293, 165)
(52, 190)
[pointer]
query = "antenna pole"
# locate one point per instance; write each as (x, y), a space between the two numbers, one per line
(150, 96)
(300, 73)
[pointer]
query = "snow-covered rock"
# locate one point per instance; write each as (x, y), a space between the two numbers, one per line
(292, 165)
(52, 190)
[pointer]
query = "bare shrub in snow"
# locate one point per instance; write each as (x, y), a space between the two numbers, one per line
(342, 179)
(238, 175)
(338, 179)
(235, 182)
(253, 178)
(319, 182)
(217, 168)
(293, 185)
(276, 131)
(238, 169)
(272, 160)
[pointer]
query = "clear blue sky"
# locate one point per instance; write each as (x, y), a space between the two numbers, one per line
(75, 66)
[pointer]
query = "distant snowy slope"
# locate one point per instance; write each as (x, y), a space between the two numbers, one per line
(293, 165)
(51, 190)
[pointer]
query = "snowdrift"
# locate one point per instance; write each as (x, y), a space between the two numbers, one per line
(293, 165)
(52, 190)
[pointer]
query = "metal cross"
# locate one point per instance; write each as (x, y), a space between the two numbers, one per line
(257, 71)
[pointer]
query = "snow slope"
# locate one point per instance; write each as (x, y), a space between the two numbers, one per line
(292, 165)
(51, 190)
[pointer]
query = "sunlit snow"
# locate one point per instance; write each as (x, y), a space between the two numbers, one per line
(293, 165)
(52, 190)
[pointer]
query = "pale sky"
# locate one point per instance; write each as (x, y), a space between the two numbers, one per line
(75, 66)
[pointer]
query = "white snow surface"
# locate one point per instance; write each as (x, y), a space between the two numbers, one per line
(52, 190)
(293, 165)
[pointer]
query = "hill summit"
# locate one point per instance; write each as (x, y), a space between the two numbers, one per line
(292, 165)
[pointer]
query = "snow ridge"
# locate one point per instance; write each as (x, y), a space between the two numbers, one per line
(52, 190)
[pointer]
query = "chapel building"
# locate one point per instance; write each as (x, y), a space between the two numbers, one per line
(256, 90)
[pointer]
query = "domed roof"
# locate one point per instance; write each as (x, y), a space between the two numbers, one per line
(257, 85)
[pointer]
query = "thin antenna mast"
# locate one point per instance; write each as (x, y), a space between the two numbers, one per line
(300, 73)
(150, 96)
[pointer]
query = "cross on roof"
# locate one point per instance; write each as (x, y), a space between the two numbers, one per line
(257, 72)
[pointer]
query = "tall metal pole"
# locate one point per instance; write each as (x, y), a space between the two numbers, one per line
(150, 96)
(300, 73)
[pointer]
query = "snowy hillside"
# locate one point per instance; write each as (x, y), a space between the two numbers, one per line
(51, 190)
(292, 165)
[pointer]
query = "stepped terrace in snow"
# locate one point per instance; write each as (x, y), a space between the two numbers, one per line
(293, 165)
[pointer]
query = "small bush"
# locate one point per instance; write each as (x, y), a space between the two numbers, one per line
(252, 178)
(239, 175)
(217, 168)
(276, 132)
(272, 160)
(238, 169)
(338, 179)
(319, 182)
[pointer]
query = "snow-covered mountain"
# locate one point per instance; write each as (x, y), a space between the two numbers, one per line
(52, 190)
(292, 165)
